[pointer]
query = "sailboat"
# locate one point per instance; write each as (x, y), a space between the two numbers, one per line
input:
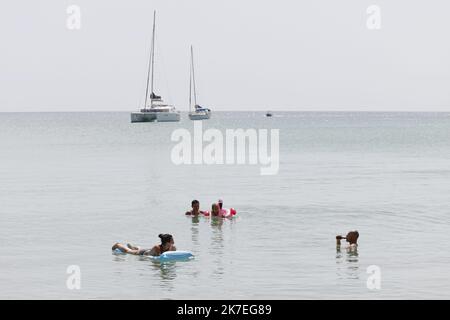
(197, 112)
(157, 109)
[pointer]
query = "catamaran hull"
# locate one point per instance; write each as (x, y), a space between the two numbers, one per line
(168, 117)
(143, 117)
(155, 117)
(202, 116)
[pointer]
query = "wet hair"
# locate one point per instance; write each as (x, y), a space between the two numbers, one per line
(165, 238)
(354, 234)
(195, 202)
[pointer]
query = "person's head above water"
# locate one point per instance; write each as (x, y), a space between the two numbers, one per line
(195, 205)
(220, 203)
(352, 237)
(215, 210)
(166, 239)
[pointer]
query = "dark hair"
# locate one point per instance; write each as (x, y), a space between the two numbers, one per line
(165, 238)
(194, 202)
(355, 234)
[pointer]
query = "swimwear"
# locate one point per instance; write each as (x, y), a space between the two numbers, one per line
(143, 251)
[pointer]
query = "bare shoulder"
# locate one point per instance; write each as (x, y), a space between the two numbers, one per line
(155, 251)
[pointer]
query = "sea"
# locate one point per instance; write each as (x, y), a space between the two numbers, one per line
(73, 184)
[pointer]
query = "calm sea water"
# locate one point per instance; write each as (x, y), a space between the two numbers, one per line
(72, 184)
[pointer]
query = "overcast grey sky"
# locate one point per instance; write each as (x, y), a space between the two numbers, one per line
(250, 54)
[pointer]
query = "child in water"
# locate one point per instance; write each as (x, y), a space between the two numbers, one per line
(215, 210)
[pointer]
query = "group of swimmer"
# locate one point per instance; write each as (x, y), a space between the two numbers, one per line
(167, 241)
(217, 210)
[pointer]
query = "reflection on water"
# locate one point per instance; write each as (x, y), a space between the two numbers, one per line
(119, 257)
(216, 222)
(217, 233)
(195, 219)
(195, 231)
(217, 247)
(167, 271)
(347, 262)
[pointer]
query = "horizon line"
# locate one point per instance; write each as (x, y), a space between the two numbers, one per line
(236, 110)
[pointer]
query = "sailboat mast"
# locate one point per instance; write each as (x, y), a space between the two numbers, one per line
(150, 63)
(190, 87)
(153, 46)
(193, 75)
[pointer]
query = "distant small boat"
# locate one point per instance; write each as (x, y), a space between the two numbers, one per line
(268, 114)
(199, 113)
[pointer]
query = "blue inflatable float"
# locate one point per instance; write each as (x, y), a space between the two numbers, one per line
(173, 256)
(166, 256)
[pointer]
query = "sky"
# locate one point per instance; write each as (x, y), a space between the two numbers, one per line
(315, 55)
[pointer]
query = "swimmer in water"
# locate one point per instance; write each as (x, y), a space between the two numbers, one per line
(351, 238)
(225, 213)
(215, 210)
(222, 212)
(195, 204)
(167, 244)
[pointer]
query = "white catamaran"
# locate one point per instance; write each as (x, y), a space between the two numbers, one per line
(199, 113)
(157, 110)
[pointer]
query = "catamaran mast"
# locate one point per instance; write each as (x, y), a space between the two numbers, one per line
(193, 75)
(153, 46)
(190, 87)
(151, 61)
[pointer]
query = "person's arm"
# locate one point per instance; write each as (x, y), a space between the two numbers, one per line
(338, 240)
(188, 213)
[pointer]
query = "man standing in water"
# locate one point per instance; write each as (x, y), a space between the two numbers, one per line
(196, 209)
(351, 238)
